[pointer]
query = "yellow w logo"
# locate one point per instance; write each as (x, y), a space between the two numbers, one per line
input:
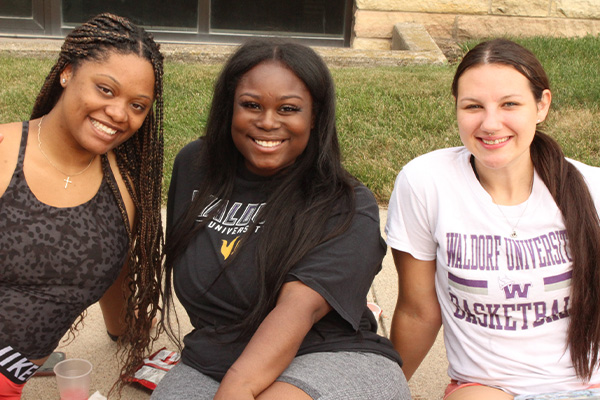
(227, 249)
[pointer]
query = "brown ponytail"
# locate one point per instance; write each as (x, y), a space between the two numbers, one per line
(571, 194)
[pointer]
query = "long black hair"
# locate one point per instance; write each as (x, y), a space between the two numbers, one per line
(139, 159)
(302, 196)
(571, 194)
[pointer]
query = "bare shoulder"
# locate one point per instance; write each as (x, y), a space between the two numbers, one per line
(11, 126)
(11, 133)
(120, 178)
(9, 151)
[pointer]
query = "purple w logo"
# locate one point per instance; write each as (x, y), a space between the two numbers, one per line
(515, 289)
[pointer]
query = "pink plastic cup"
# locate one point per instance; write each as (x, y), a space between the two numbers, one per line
(73, 378)
(375, 309)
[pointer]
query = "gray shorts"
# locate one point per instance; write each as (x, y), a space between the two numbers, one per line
(323, 376)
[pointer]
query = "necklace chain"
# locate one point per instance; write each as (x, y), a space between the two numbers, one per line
(67, 180)
(513, 233)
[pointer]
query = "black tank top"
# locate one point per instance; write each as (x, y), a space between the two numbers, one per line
(54, 262)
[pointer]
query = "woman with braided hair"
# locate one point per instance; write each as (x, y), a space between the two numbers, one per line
(80, 196)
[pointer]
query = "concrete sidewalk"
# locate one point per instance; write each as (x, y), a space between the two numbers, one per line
(93, 344)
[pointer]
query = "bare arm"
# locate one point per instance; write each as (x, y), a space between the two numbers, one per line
(114, 301)
(113, 304)
(417, 318)
(275, 343)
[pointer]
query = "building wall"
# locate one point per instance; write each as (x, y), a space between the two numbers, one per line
(465, 19)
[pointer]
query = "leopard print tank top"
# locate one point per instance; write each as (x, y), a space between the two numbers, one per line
(54, 262)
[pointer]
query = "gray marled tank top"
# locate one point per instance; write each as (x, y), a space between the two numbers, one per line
(54, 262)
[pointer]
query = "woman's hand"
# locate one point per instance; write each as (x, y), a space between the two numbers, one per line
(275, 343)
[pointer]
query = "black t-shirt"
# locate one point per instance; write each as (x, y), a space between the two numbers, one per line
(341, 270)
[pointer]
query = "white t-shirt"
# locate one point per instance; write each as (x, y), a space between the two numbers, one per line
(504, 300)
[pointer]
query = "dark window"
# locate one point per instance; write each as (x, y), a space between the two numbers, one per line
(155, 14)
(16, 8)
(308, 17)
(314, 22)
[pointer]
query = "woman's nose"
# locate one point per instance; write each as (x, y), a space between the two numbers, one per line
(268, 120)
(117, 112)
(491, 122)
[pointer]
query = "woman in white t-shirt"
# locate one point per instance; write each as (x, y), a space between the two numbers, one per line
(479, 237)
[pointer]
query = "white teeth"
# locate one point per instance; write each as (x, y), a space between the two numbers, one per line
(494, 141)
(104, 128)
(268, 143)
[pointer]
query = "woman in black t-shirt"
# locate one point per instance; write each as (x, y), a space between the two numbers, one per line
(272, 245)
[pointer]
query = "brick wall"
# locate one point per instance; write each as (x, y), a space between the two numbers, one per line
(463, 19)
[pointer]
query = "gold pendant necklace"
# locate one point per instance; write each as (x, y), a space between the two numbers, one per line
(68, 179)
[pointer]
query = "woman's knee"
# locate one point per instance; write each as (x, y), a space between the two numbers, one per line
(478, 393)
(347, 375)
(183, 382)
(282, 390)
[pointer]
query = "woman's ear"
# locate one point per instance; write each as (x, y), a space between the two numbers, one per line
(544, 105)
(66, 75)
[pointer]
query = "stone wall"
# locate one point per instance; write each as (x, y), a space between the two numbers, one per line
(464, 19)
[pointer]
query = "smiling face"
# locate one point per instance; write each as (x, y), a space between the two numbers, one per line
(272, 118)
(105, 102)
(497, 115)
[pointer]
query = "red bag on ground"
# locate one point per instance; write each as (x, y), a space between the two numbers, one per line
(155, 368)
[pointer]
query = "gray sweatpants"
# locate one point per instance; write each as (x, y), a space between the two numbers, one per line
(323, 376)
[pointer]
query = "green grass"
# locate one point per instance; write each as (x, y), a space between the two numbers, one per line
(386, 116)
(187, 93)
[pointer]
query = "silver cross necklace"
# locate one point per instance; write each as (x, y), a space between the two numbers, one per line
(68, 179)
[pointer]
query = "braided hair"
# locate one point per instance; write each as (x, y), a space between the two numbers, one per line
(140, 161)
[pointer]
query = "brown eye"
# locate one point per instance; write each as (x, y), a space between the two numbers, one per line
(105, 90)
(251, 105)
(290, 109)
(139, 107)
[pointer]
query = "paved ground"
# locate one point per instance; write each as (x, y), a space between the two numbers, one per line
(93, 344)
(216, 54)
